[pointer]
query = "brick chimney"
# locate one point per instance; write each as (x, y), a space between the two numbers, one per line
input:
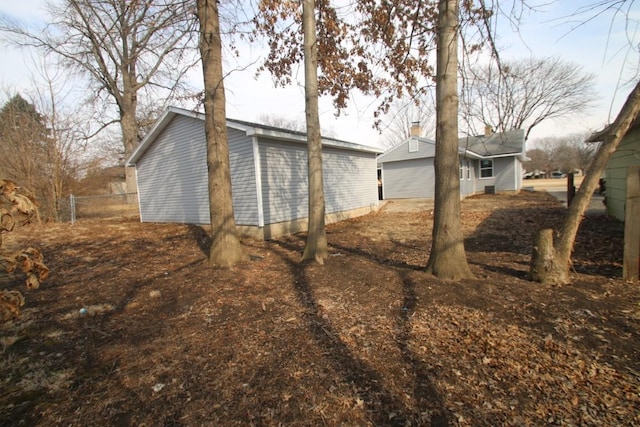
(415, 129)
(488, 130)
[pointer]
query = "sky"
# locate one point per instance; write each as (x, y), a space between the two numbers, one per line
(600, 46)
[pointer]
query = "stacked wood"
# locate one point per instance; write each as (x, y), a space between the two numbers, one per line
(18, 208)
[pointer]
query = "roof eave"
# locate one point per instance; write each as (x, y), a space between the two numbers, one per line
(171, 112)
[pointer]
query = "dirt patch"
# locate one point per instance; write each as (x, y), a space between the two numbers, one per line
(368, 339)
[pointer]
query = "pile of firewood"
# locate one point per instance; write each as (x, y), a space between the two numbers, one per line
(18, 208)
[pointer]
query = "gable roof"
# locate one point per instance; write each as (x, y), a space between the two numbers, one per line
(502, 144)
(412, 148)
(251, 129)
(601, 135)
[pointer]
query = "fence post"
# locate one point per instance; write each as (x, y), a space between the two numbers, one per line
(72, 208)
(571, 189)
(631, 258)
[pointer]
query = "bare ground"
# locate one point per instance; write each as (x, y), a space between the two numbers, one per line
(368, 339)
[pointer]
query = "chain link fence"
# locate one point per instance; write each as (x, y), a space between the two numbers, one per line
(75, 208)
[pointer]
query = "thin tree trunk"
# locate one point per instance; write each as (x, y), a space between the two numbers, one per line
(226, 249)
(316, 247)
(558, 271)
(447, 259)
(128, 104)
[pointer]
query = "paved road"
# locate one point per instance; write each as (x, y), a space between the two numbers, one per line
(558, 189)
(555, 187)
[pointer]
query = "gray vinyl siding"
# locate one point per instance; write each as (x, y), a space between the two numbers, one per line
(172, 176)
(284, 181)
(243, 178)
(408, 179)
(350, 180)
(425, 148)
(505, 169)
(503, 179)
(173, 181)
(627, 154)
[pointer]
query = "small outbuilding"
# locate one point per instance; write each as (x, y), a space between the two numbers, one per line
(488, 163)
(268, 175)
(621, 162)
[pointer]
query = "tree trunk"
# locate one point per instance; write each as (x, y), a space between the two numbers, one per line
(226, 249)
(128, 105)
(316, 247)
(543, 260)
(612, 136)
(447, 259)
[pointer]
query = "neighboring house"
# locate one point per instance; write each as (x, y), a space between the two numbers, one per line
(627, 154)
(491, 163)
(268, 175)
(106, 181)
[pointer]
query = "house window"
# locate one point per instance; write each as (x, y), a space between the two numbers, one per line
(486, 168)
(413, 145)
(468, 170)
(461, 170)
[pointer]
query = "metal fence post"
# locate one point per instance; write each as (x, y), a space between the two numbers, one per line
(72, 208)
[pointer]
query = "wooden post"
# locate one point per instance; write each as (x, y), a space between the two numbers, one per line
(571, 189)
(631, 262)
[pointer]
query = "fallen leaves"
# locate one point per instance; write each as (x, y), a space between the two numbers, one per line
(367, 339)
(509, 372)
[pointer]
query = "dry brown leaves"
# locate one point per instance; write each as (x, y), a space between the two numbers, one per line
(368, 339)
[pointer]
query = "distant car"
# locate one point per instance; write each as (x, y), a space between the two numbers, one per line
(558, 174)
(532, 175)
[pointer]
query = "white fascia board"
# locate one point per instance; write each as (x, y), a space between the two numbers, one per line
(157, 128)
(473, 155)
(258, 172)
(302, 139)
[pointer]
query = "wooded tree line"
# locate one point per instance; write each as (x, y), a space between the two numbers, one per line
(133, 51)
(564, 154)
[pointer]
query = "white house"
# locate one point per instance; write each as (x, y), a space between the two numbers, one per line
(491, 163)
(268, 175)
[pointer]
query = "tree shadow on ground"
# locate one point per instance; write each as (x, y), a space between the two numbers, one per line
(90, 335)
(201, 237)
(597, 248)
(384, 407)
(424, 392)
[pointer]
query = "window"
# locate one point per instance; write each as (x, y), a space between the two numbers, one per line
(413, 145)
(461, 170)
(468, 170)
(486, 168)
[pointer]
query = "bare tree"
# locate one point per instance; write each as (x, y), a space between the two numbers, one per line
(521, 94)
(226, 249)
(66, 150)
(282, 122)
(565, 153)
(403, 115)
(127, 49)
(447, 259)
(25, 143)
(316, 247)
(324, 45)
(550, 262)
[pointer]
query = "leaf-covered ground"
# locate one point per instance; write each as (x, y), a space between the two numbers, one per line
(368, 339)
